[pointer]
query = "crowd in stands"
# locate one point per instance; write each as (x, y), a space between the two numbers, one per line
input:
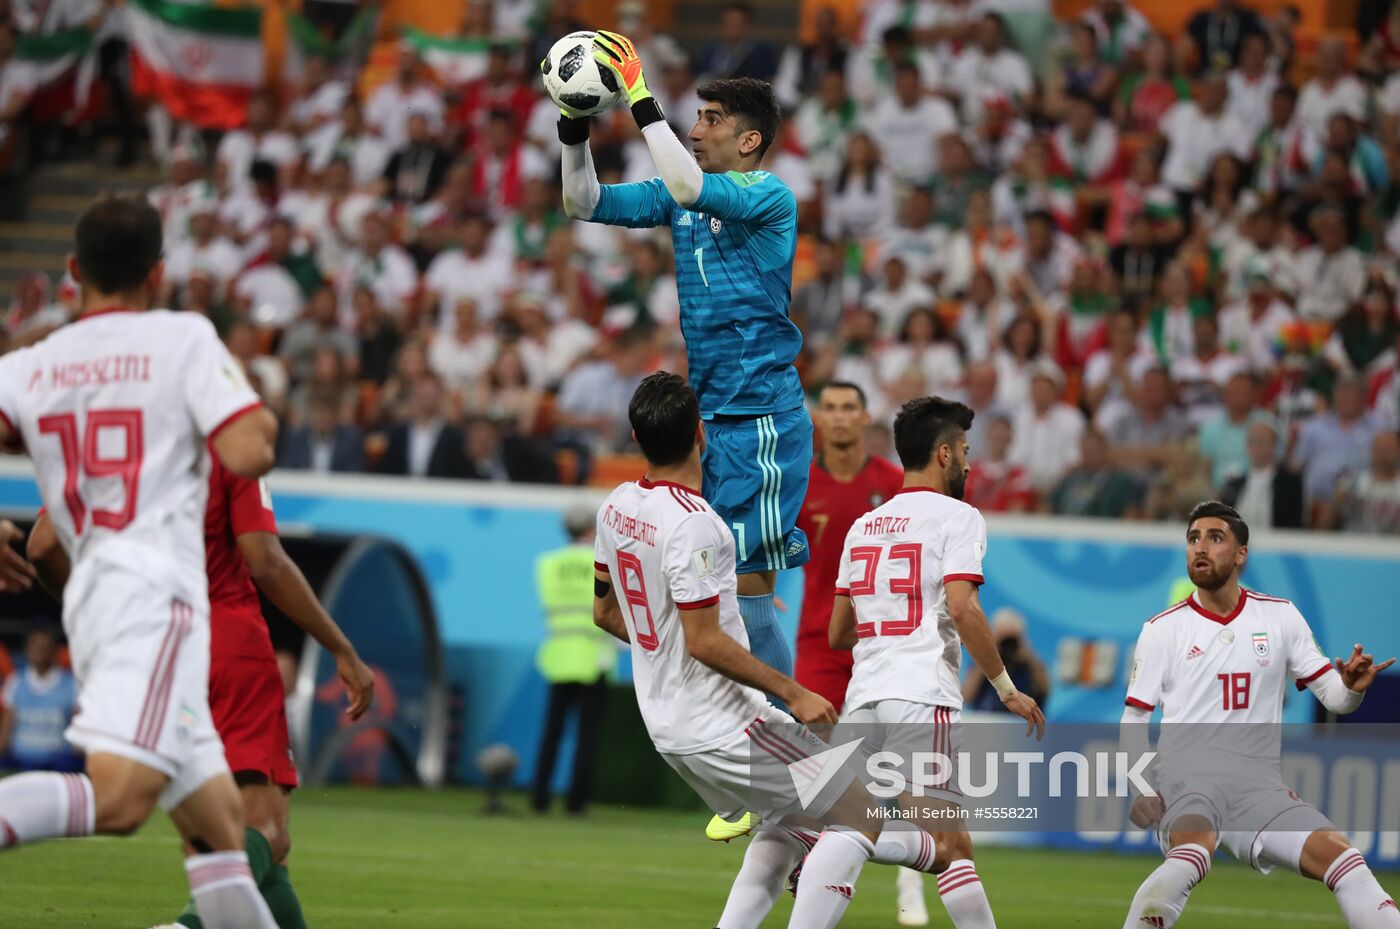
(1159, 267)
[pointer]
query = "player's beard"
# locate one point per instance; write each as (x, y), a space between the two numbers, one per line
(955, 479)
(1208, 578)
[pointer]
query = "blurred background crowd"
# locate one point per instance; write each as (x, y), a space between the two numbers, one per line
(1159, 267)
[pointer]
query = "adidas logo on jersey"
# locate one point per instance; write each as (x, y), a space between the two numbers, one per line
(794, 547)
(685, 219)
(1194, 653)
(842, 889)
(1387, 903)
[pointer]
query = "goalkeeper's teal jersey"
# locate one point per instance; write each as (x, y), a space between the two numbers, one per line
(734, 252)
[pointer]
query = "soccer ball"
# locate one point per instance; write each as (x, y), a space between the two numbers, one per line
(576, 83)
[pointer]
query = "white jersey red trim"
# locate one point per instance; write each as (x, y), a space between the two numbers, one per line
(667, 552)
(895, 564)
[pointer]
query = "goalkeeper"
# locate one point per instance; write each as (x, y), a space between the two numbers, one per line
(734, 228)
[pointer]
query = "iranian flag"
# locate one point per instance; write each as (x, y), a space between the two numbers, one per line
(453, 61)
(201, 62)
(56, 60)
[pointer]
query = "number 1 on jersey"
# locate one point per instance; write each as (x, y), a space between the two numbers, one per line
(700, 263)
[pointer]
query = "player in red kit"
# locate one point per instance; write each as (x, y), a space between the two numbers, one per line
(246, 697)
(846, 482)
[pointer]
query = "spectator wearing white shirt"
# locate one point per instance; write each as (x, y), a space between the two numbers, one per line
(908, 123)
(897, 295)
(319, 99)
(1334, 90)
(989, 67)
(923, 344)
(1121, 30)
(870, 71)
(860, 202)
(461, 355)
(1251, 86)
(1254, 327)
(393, 102)
(825, 122)
(1201, 376)
(916, 239)
(259, 140)
(204, 250)
(1112, 374)
(1046, 430)
(1016, 359)
(1331, 273)
(1369, 500)
(348, 138)
(382, 265)
(1197, 131)
(470, 270)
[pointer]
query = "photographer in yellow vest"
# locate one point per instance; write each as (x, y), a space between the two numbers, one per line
(575, 658)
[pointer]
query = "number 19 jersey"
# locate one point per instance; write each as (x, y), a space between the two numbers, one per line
(668, 552)
(894, 565)
(114, 410)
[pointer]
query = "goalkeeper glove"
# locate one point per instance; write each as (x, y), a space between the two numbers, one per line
(617, 53)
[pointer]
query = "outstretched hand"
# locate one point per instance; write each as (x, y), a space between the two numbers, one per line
(1360, 670)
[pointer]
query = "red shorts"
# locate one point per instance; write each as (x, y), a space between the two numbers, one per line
(823, 670)
(250, 713)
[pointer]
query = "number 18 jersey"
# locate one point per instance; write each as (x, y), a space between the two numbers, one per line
(1208, 671)
(894, 565)
(114, 409)
(668, 552)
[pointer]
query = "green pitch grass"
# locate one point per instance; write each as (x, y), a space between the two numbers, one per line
(429, 860)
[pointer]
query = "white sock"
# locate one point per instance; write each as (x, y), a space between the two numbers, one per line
(44, 805)
(1364, 903)
(770, 858)
(961, 891)
(1161, 898)
(224, 892)
(829, 879)
(907, 846)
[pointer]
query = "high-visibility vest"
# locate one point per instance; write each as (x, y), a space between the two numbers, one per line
(575, 650)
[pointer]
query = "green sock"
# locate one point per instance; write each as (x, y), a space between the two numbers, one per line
(259, 862)
(282, 899)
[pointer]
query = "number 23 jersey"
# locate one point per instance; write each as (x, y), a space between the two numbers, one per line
(894, 566)
(114, 409)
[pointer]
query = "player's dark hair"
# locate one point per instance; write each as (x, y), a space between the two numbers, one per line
(117, 243)
(848, 385)
(750, 101)
(1214, 509)
(664, 413)
(924, 424)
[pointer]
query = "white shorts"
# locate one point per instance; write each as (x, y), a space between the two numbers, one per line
(1262, 824)
(908, 729)
(749, 772)
(140, 650)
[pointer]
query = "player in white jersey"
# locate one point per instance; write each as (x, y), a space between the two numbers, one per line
(115, 410)
(1220, 658)
(906, 601)
(666, 583)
